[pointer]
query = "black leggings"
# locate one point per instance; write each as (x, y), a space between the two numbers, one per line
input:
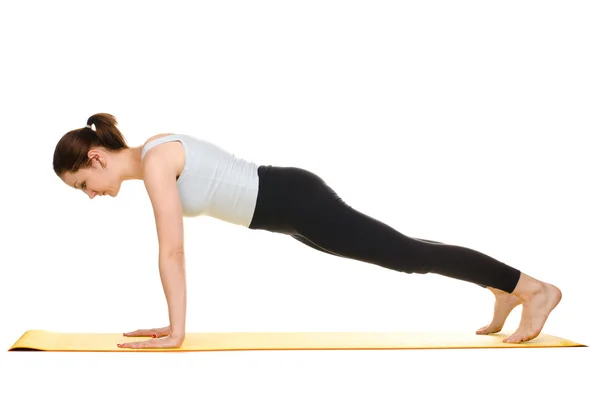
(299, 203)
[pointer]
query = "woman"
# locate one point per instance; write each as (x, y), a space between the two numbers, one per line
(187, 176)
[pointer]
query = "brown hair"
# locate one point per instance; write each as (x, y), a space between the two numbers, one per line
(72, 149)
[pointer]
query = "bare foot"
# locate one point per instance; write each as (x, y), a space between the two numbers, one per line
(537, 306)
(504, 304)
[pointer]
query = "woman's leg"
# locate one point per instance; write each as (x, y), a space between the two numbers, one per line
(299, 203)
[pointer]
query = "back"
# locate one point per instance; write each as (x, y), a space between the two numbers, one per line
(214, 182)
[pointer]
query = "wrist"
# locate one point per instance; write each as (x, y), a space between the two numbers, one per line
(178, 336)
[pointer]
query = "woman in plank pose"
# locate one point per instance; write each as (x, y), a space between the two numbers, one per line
(188, 176)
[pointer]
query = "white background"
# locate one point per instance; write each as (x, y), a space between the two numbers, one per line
(466, 122)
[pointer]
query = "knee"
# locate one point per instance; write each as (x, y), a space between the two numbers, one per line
(418, 266)
(417, 261)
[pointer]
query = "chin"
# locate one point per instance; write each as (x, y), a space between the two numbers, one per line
(115, 192)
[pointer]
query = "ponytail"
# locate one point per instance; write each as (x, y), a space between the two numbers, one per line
(107, 134)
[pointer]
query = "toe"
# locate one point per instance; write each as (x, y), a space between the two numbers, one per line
(510, 339)
(529, 337)
(483, 330)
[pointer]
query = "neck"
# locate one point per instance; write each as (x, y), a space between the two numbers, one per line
(131, 160)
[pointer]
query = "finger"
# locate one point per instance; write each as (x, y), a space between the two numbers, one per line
(135, 345)
(130, 345)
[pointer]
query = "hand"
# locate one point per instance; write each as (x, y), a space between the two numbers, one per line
(153, 332)
(156, 343)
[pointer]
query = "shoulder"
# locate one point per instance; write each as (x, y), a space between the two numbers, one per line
(166, 158)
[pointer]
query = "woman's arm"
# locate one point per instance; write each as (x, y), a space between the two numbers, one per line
(161, 185)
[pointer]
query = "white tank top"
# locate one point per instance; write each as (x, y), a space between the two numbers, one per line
(214, 182)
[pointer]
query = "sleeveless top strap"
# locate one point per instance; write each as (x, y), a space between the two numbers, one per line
(156, 142)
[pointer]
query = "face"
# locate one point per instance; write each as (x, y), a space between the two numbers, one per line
(95, 180)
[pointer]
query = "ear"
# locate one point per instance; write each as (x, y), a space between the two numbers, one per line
(94, 154)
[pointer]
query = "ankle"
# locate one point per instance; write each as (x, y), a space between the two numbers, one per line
(528, 287)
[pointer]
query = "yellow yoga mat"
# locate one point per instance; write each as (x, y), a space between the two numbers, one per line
(90, 342)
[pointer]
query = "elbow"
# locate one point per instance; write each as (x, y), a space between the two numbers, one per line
(172, 252)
